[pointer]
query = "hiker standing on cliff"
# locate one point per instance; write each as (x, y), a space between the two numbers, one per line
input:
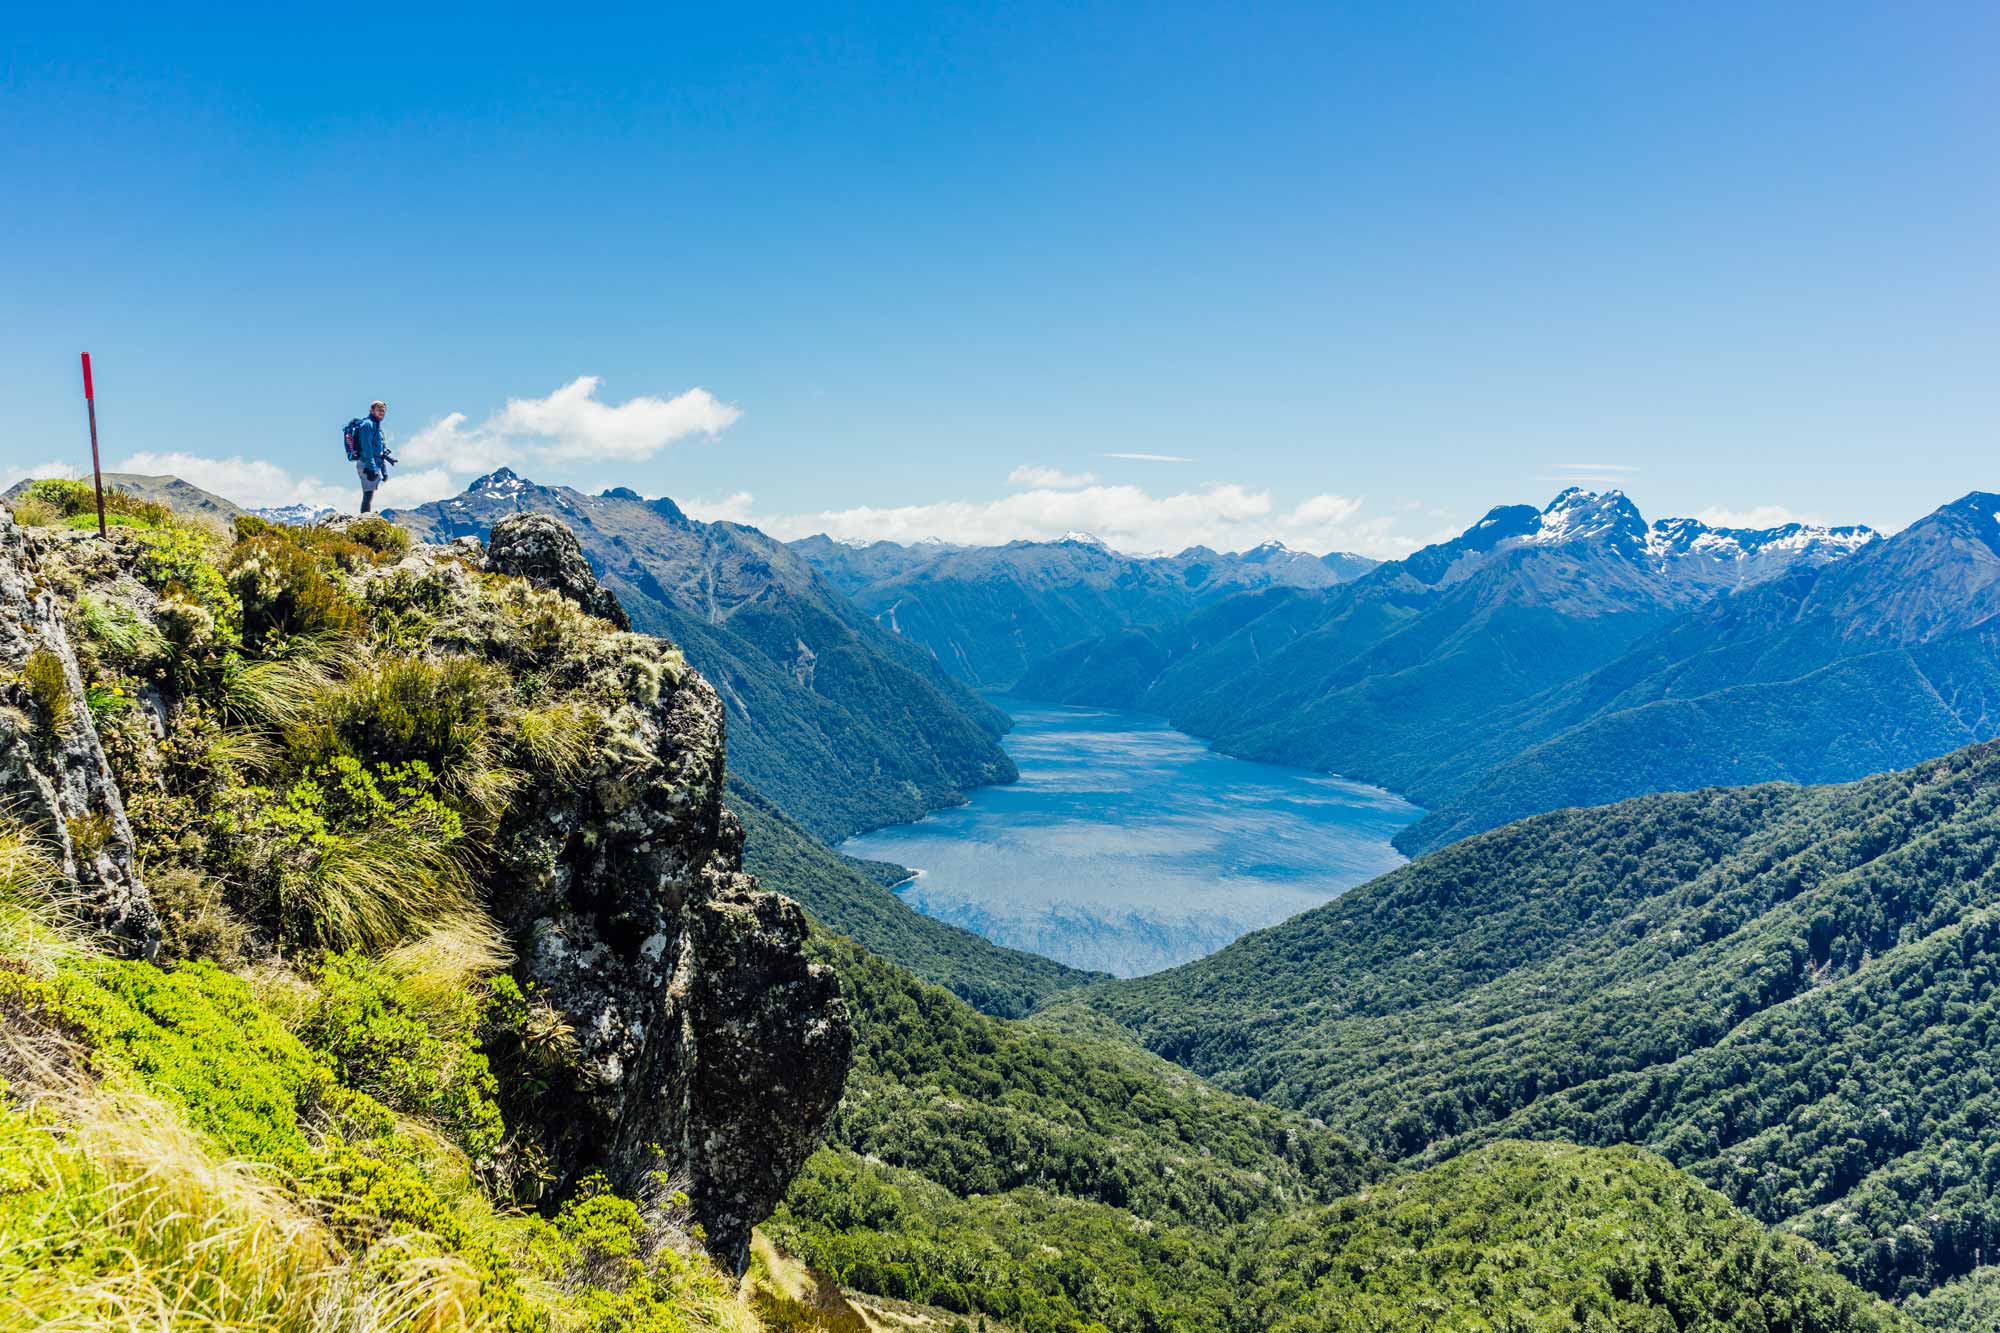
(371, 456)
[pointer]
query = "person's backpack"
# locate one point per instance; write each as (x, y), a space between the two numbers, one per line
(351, 438)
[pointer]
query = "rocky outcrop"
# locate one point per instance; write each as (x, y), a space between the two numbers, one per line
(708, 1049)
(53, 773)
(688, 1041)
(544, 551)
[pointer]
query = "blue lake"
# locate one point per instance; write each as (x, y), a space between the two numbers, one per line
(1128, 846)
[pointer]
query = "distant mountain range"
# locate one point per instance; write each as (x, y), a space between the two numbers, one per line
(845, 725)
(1400, 676)
(1830, 672)
(988, 612)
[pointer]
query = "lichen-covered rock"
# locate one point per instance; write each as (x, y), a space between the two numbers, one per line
(53, 772)
(544, 551)
(707, 1046)
(771, 1030)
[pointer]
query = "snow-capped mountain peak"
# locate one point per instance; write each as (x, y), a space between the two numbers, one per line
(1579, 515)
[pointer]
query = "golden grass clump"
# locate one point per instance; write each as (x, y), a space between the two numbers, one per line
(120, 1219)
(280, 692)
(48, 686)
(436, 972)
(31, 511)
(375, 889)
(38, 925)
(558, 739)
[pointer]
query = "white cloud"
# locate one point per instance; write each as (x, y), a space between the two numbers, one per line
(1606, 476)
(733, 508)
(1225, 516)
(1030, 474)
(1151, 458)
(569, 425)
(257, 484)
(251, 482)
(1758, 516)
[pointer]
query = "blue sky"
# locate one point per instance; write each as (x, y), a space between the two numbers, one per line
(1370, 268)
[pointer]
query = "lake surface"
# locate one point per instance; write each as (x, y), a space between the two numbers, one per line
(1128, 846)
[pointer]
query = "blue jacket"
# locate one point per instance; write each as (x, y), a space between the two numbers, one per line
(369, 436)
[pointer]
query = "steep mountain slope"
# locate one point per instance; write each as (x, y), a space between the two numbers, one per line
(1066, 1182)
(474, 867)
(1786, 990)
(988, 612)
(1826, 674)
(1383, 678)
(843, 724)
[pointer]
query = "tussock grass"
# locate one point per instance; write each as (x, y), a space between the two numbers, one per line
(48, 686)
(127, 1222)
(280, 692)
(33, 512)
(436, 972)
(38, 922)
(557, 739)
(375, 889)
(241, 751)
(118, 632)
(120, 1219)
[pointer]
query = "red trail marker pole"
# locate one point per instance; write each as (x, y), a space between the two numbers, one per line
(96, 470)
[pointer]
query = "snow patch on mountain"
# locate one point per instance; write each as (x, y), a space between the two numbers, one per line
(294, 515)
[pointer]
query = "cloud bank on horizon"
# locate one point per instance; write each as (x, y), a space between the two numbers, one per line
(1224, 515)
(572, 426)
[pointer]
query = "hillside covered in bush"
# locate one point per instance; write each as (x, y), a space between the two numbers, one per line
(1785, 990)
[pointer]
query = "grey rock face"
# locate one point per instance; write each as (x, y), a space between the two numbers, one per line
(753, 979)
(708, 1048)
(544, 551)
(53, 772)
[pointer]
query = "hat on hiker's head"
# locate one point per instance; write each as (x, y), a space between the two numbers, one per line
(378, 403)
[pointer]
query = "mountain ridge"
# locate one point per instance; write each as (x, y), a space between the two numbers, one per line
(843, 724)
(988, 612)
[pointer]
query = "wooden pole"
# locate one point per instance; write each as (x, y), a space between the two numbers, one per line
(96, 469)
